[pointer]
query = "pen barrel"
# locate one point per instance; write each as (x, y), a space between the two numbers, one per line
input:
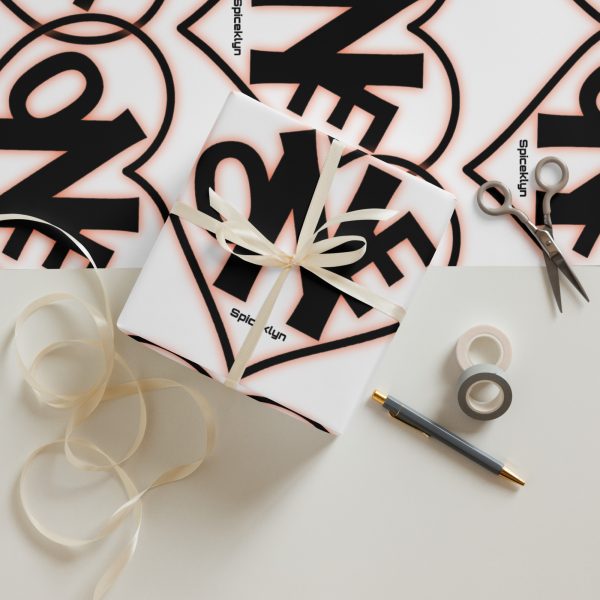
(412, 417)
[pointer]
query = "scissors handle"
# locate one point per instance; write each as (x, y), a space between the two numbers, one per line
(505, 208)
(553, 188)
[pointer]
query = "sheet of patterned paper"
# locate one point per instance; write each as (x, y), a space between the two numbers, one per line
(105, 104)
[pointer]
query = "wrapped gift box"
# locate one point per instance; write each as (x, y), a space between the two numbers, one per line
(197, 302)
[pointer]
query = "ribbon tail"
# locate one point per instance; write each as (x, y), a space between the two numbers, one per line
(245, 352)
(347, 286)
(317, 203)
(119, 563)
(84, 404)
(196, 217)
(73, 240)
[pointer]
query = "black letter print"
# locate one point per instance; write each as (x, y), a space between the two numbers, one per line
(578, 207)
(581, 206)
(318, 301)
(84, 4)
(573, 130)
(317, 60)
(86, 143)
(289, 190)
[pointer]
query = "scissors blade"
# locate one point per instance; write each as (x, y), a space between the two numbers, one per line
(552, 271)
(561, 264)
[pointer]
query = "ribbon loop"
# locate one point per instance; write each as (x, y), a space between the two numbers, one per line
(321, 255)
(82, 405)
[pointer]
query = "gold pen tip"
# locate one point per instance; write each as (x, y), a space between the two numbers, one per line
(379, 396)
(506, 472)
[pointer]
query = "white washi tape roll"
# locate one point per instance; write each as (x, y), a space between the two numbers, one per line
(484, 409)
(499, 338)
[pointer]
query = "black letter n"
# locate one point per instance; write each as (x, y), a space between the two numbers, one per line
(318, 60)
(86, 143)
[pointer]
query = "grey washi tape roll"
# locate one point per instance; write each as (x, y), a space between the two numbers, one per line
(488, 409)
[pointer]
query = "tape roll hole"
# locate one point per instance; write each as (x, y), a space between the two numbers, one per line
(485, 397)
(485, 349)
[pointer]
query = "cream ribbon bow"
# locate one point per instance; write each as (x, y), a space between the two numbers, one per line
(82, 405)
(314, 256)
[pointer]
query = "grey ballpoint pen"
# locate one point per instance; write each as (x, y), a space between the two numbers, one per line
(411, 417)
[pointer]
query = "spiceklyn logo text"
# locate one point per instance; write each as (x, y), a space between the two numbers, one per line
(523, 172)
(244, 318)
(238, 34)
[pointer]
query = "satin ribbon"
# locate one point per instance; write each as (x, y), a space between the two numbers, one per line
(310, 254)
(83, 404)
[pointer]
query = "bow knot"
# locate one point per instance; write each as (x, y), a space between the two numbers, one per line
(237, 230)
(315, 255)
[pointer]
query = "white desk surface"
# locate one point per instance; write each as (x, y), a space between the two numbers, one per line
(284, 511)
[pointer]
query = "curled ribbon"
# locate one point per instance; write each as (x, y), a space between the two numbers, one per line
(82, 405)
(314, 256)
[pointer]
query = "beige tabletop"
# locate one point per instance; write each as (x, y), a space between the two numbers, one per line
(284, 511)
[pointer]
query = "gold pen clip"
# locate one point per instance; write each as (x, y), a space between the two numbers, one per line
(413, 427)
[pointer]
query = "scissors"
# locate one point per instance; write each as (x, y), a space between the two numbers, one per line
(543, 235)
